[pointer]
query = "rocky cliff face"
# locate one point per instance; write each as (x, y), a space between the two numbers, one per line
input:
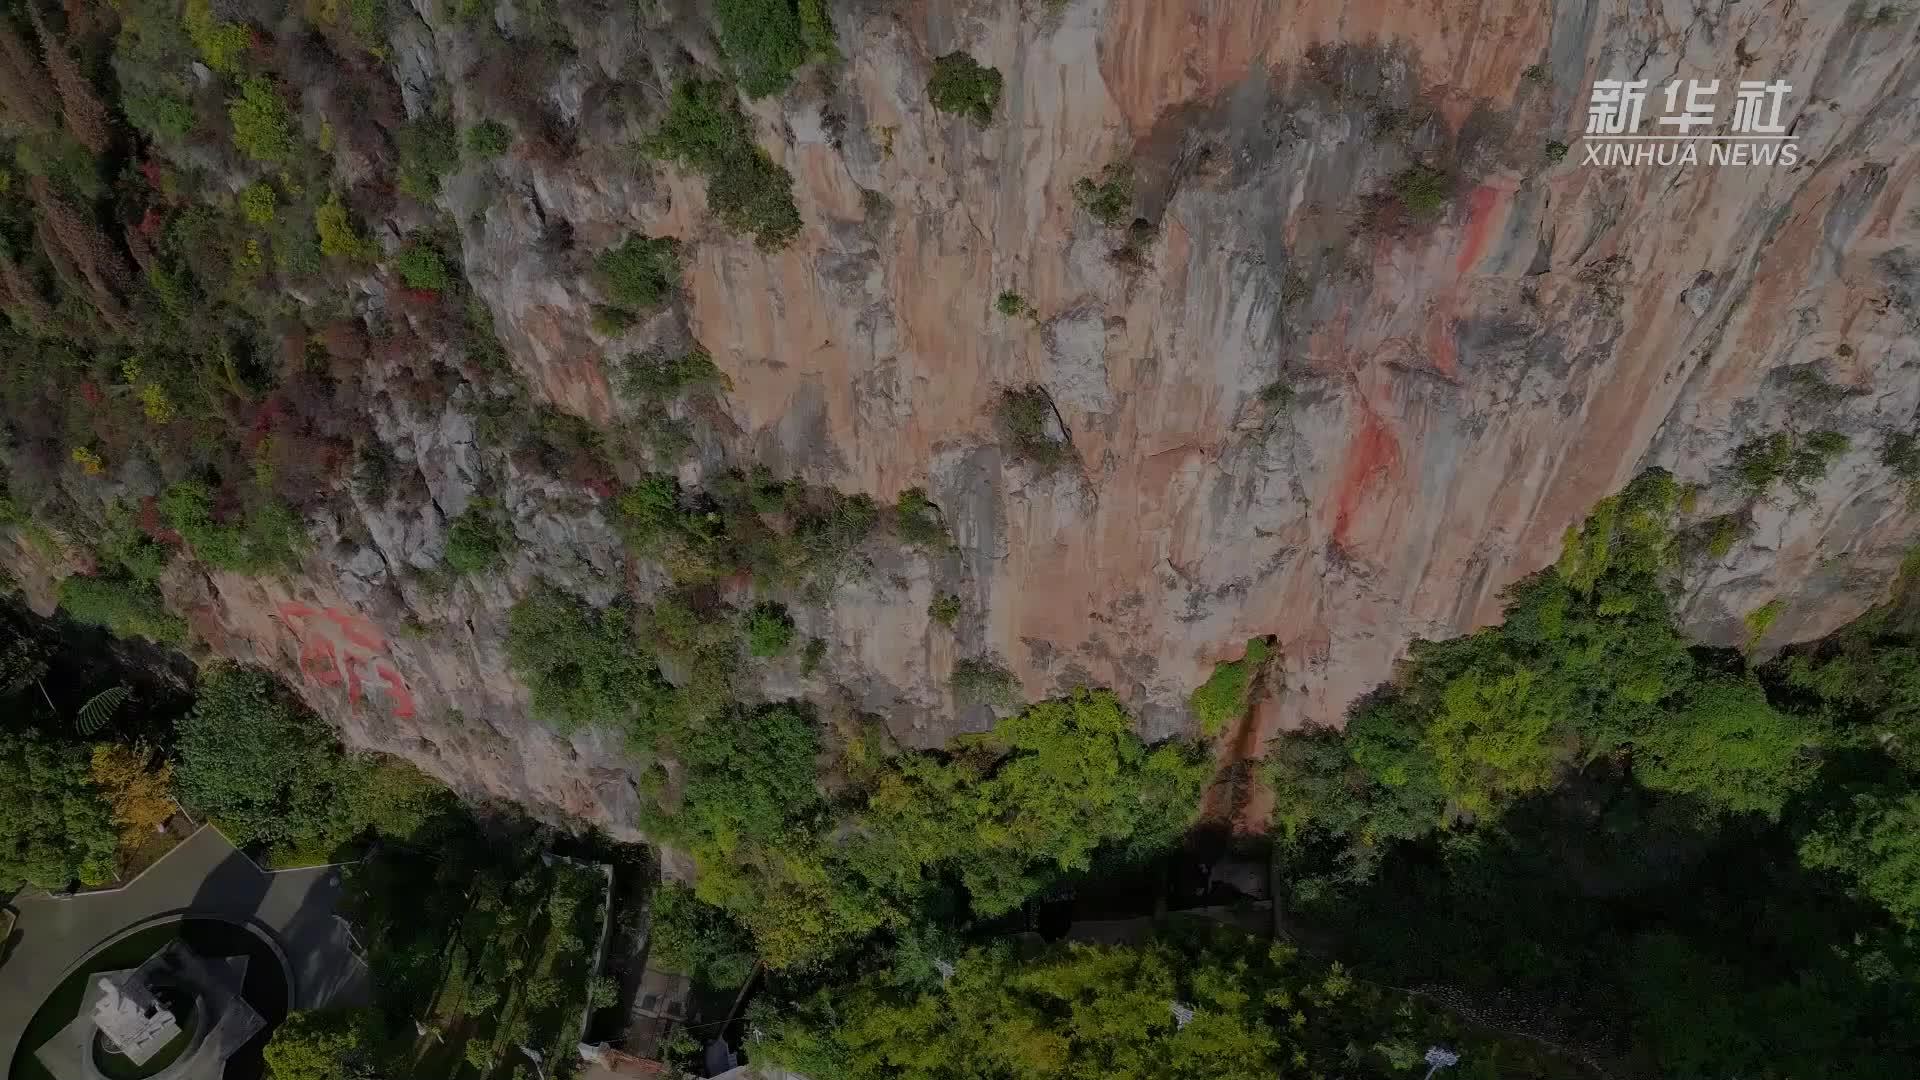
(1299, 407)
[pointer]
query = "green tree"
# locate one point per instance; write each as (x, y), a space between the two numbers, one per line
(750, 777)
(1874, 840)
(57, 827)
(478, 539)
(261, 765)
(1107, 1011)
(769, 630)
(262, 128)
(961, 84)
(312, 1045)
(583, 665)
(1730, 747)
(691, 936)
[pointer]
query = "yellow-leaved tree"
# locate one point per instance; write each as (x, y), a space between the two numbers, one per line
(138, 786)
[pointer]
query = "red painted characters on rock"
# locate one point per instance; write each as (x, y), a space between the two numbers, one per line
(338, 648)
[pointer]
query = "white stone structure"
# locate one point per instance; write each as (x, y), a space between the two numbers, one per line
(131, 1018)
(121, 1014)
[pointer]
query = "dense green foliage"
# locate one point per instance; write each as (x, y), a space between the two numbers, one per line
(249, 541)
(768, 39)
(919, 522)
(1050, 791)
(478, 539)
(705, 131)
(1223, 698)
(429, 150)
(641, 272)
(1577, 811)
(262, 129)
(582, 665)
(315, 1046)
(687, 935)
(57, 828)
(780, 532)
(945, 609)
(125, 605)
(961, 84)
(420, 266)
(1422, 189)
(1087, 1011)
(271, 773)
(488, 139)
(769, 630)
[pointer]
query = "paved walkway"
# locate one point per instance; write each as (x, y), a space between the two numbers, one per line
(204, 876)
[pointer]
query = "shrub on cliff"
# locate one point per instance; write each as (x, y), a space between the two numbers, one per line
(1422, 189)
(262, 127)
(641, 272)
(704, 130)
(1223, 697)
(769, 630)
(478, 540)
(420, 266)
(961, 84)
(583, 665)
(1110, 200)
(125, 607)
(767, 39)
(429, 150)
(1028, 423)
(265, 537)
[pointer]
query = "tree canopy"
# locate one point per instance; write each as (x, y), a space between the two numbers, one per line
(57, 828)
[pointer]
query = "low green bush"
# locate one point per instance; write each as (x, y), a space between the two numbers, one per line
(123, 606)
(918, 522)
(478, 540)
(655, 376)
(1110, 200)
(945, 609)
(961, 84)
(429, 150)
(1223, 698)
(641, 272)
(704, 130)
(257, 203)
(1422, 189)
(1800, 461)
(984, 681)
(488, 139)
(769, 630)
(265, 537)
(262, 127)
(766, 40)
(421, 266)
